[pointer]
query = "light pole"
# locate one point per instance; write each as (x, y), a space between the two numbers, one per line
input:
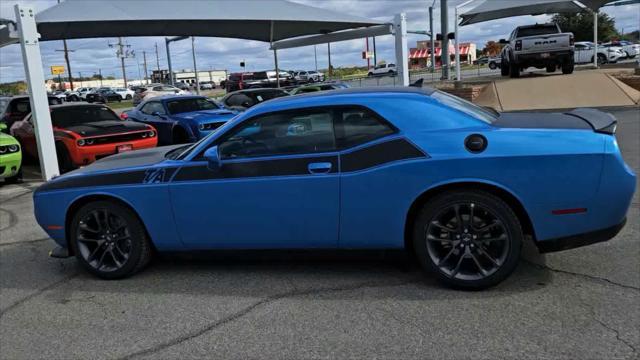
(195, 68)
(456, 38)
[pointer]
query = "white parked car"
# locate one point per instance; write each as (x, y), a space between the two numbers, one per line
(315, 76)
(583, 53)
(126, 94)
(83, 91)
(630, 49)
(383, 69)
(153, 90)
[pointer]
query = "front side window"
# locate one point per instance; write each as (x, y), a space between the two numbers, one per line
(153, 107)
(281, 133)
(239, 100)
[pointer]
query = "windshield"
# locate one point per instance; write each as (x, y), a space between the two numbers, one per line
(73, 116)
(189, 105)
(464, 106)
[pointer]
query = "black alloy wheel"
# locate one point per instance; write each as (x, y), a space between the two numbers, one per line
(470, 240)
(109, 240)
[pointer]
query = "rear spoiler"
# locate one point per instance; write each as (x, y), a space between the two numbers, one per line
(600, 121)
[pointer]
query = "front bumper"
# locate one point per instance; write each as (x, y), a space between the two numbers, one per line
(10, 164)
(84, 155)
(574, 241)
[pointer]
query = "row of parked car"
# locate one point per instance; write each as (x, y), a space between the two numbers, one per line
(85, 132)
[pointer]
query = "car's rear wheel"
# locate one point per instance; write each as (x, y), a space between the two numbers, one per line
(109, 240)
(492, 65)
(551, 68)
(468, 239)
(128, 97)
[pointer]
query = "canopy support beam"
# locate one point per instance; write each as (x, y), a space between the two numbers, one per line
(32, 60)
(275, 55)
(595, 39)
(402, 52)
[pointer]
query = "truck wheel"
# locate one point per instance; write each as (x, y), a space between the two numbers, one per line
(504, 68)
(567, 67)
(514, 70)
(551, 68)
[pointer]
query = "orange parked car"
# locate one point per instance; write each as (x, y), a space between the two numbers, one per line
(85, 133)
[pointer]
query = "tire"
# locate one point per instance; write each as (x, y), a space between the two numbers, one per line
(497, 248)
(128, 97)
(601, 59)
(504, 68)
(493, 65)
(114, 256)
(179, 136)
(568, 66)
(514, 70)
(551, 68)
(64, 159)
(369, 74)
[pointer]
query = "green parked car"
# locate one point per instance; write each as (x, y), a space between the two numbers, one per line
(10, 157)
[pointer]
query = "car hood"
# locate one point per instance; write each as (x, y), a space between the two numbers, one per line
(125, 168)
(204, 116)
(6, 139)
(110, 127)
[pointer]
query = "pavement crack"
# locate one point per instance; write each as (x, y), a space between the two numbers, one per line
(24, 242)
(4, 201)
(594, 316)
(36, 293)
(248, 309)
(586, 276)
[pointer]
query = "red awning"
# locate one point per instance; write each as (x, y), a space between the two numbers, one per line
(424, 53)
(419, 54)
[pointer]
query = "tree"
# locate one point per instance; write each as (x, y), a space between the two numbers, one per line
(581, 25)
(492, 48)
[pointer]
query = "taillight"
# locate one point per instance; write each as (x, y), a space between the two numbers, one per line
(518, 45)
(124, 116)
(571, 40)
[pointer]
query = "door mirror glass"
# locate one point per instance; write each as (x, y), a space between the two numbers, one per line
(213, 158)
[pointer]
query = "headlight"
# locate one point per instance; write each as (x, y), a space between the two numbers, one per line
(8, 149)
(152, 133)
(89, 141)
(81, 142)
(3, 149)
(209, 126)
(13, 148)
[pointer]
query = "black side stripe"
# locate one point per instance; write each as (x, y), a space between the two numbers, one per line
(148, 176)
(264, 168)
(382, 153)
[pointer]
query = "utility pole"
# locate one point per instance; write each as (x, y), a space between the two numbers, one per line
(195, 68)
(146, 75)
(329, 57)
(123, 52)
(315, 56)
(432, 45)
(157, 61)
(66, 58)
(375, 55)
(100, 72)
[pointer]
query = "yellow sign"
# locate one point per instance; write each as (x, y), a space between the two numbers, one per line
(57, 70)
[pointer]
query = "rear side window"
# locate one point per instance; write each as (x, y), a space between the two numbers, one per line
(357, 126)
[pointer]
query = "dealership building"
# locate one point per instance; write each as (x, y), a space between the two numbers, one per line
(420, 56)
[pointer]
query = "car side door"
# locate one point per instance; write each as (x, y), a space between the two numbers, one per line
(277, 186)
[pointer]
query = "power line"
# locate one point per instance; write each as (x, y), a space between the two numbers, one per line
(123, 52)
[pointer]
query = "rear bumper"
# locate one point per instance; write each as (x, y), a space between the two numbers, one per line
(551, 57)
(574, 241)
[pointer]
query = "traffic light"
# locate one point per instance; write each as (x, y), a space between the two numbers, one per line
(241, 64)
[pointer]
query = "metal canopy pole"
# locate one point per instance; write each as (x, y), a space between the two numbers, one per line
(433, 46)
(444, 46)
(166, 43)
(195, 68)
(275, 56)
(402, 57)
(457, 38)
(32, 60)
(595, 39)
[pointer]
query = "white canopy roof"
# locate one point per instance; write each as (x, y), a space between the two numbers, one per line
(242, 19)
(492, 9)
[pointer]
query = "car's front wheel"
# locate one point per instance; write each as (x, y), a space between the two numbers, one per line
(468, 239)
(109, 240)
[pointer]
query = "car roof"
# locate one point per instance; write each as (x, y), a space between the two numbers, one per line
(427, 91)
(72, 105)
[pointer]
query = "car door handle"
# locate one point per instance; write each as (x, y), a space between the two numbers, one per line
(319, 168)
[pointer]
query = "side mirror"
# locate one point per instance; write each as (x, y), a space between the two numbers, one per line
(213, 158)
(503, 41)
(155, 113)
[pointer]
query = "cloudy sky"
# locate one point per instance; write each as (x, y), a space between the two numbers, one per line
(217, 53)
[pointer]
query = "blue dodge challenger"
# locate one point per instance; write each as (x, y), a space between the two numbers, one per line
(459, 185)
(181, 119)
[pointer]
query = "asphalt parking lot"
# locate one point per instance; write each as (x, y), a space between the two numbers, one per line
(582, 303)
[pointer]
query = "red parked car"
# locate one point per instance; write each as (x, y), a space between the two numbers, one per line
(85, 133)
